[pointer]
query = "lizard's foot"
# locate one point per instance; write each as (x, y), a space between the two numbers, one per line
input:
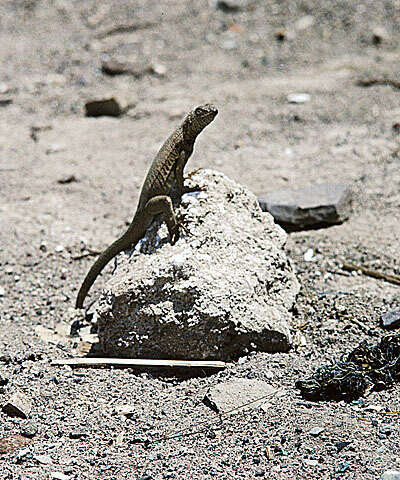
(174, 233)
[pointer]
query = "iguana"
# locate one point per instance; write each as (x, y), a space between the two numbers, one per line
(165, 173)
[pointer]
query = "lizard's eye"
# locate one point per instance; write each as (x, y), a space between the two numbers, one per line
(199, 111)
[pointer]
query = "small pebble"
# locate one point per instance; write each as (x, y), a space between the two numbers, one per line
(343, 467)
(316, 431)
(310, 463)
(308, 256)
(2, 291)
(77, 433)
(298, 98)
(43, 459)
(59, 476)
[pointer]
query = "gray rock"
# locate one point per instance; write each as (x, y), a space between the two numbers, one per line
(108, 107)
(221, 291)
(18, 405)
(391, 475)
(326, 203)
(225, 397)
(316, 431)
(29, 429)
(391, 319)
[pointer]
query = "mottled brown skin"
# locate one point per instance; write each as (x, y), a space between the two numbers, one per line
(165, 172)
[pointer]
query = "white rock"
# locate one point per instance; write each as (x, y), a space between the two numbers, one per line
(391, 475)
(298, 97)
(60, 476)
(210, 290)
(2, 291)
(308, 256)
(44, 459)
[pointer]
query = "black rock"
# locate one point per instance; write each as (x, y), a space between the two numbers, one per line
(105, 107)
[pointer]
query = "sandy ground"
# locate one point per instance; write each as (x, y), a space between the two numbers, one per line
(51, 56)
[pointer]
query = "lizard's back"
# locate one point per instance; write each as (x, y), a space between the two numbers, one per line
(161, 174)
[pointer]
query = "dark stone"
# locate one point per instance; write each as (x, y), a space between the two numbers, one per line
(107, 107)
(341, 446)
(391, 319)
(113, 67)
(77, 434)
(312, 206)
(229, 6)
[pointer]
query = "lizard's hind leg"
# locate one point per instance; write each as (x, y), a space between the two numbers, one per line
(162, 204)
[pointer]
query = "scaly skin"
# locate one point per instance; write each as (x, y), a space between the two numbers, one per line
(165, 171)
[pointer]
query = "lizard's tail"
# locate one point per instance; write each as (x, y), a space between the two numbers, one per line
(118, 246)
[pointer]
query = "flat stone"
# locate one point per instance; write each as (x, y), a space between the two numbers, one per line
(43, 459)
(218, 293)
(316, 431)
(227, 396)
(18, 405)
(103, 107)
(390, 475)
(391, 319)
(325, 203)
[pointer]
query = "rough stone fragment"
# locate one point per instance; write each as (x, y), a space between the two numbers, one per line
(316, 431)
(108, 107)
(231, 6)
(391, 319)
(325, 203)
(222, 290)
(18, 405)
(225, 397)
(391, 475)
(13, 442)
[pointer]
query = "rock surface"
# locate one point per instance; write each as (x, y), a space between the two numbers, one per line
(391, 475)
(228, 396)
(391, 319)
(326, 203)
(221, 291)
(18, 405)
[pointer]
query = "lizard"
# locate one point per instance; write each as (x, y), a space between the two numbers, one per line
(165, 174)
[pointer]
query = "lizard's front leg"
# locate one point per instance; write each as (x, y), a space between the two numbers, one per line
(163, 204)
(180, 178)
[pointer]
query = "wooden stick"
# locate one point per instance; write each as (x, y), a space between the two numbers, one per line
(350, 267)
(137, 362)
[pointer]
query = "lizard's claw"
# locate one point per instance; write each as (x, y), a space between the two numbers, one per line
(174, 234)
(196, 188)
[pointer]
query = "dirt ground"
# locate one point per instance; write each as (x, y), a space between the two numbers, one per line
(243, 62)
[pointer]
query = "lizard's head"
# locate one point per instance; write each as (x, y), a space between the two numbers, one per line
(199, 118)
